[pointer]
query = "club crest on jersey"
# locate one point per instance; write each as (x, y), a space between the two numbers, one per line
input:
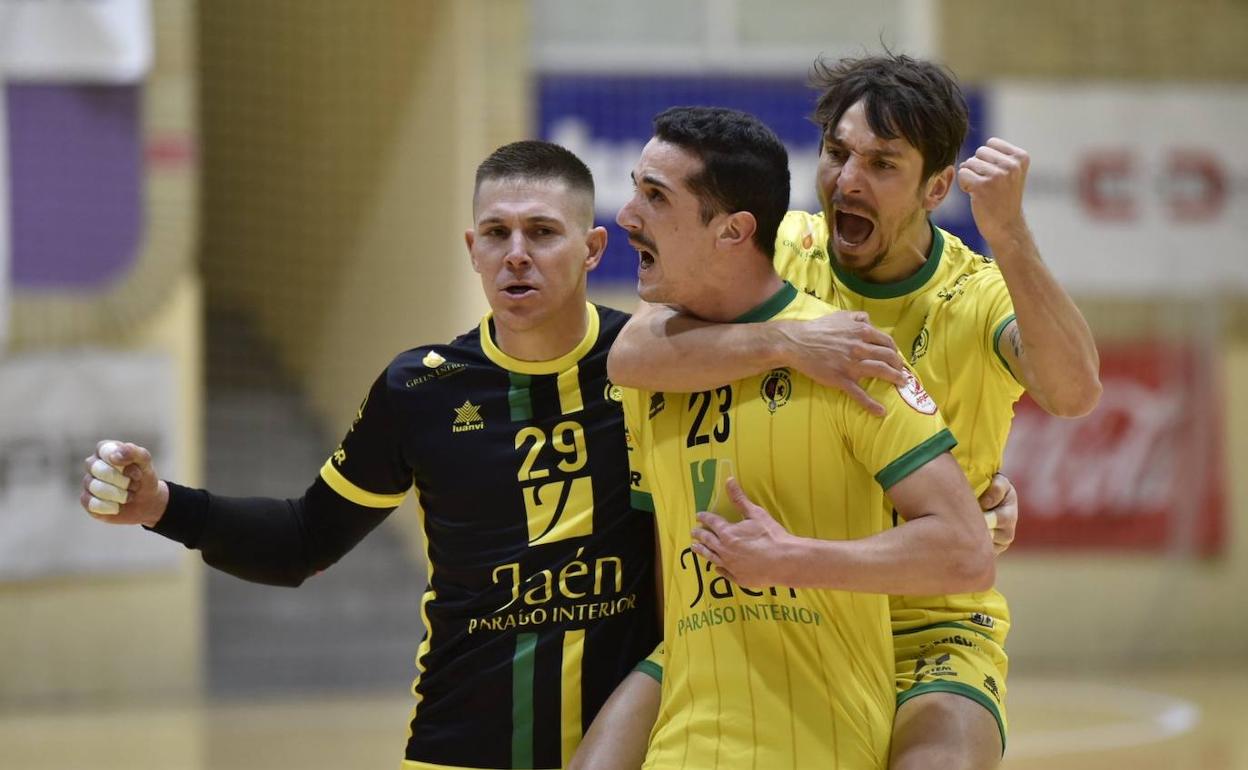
(613, 392)
(776, 389)
(467, 417)
(914, 395)
(919, 348)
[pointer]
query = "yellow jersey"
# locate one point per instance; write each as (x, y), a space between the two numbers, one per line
(774, 676)
(947, 320)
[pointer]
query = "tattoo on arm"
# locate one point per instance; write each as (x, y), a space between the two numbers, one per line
(1016, 341)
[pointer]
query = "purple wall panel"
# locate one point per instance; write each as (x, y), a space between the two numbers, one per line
(76, 184)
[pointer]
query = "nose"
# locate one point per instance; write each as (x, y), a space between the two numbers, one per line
(517, 251)
(850, 179)
(627, 216)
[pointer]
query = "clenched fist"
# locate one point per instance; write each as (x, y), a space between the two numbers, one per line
(121, 485)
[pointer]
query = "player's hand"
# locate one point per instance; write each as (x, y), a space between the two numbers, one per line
(749, 552)
(121, 485)
(994, 179)
(999, 502)
(842, 348)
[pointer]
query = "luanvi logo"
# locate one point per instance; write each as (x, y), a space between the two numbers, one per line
(467, 417)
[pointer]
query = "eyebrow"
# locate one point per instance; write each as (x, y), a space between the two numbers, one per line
(650, 180)
(534, 219)
(883, 153)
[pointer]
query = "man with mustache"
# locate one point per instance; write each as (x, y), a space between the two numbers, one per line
(978, 331)
(795, 671)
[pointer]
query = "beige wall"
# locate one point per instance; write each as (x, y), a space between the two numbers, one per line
(344, 141)
(1144, 40)
(113, 637)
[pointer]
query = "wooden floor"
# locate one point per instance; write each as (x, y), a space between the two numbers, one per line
(1145, 721)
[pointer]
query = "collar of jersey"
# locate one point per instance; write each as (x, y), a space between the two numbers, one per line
(554, 366)
(772, 305)
(899, 288)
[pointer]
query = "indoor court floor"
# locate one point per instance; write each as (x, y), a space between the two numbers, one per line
(1140, 721)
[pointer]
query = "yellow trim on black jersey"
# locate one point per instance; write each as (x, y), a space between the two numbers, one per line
(569, 382)
(570, 731)
(554, 366)
(346, 489)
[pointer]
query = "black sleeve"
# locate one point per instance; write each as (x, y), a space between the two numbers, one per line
(266, 540)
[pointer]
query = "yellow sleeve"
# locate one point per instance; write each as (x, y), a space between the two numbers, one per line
(907, 437)
(636, 403)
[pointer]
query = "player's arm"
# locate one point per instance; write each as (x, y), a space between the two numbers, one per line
(753, 549)
(263, 540)
(942, 548)
(619, 734)
(661, 349)
(1048, 346)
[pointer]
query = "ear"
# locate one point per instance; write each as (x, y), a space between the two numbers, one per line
(737, 229)
(596, 243)
(937, 188)
(470, 237)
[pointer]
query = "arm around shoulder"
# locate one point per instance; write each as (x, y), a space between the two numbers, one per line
(662, 349)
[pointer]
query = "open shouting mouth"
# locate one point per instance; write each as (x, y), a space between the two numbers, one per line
(853, 229)
(646, 251)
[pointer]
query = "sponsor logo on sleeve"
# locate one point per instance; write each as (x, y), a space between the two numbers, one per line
(914, 395)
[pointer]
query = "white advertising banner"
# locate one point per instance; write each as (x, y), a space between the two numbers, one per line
(54, 407)
(107, 41)
(1134, 190)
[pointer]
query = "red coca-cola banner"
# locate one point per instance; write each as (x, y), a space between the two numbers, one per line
(1143, 472)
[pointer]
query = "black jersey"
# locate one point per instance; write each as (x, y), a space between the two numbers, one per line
(541, 582)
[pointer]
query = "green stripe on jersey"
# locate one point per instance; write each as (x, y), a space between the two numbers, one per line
(522, 701)
(916, 458)
(641, 501)
(520, 396)
(996, 343)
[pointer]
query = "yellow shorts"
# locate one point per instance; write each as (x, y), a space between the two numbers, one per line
(954, 658)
